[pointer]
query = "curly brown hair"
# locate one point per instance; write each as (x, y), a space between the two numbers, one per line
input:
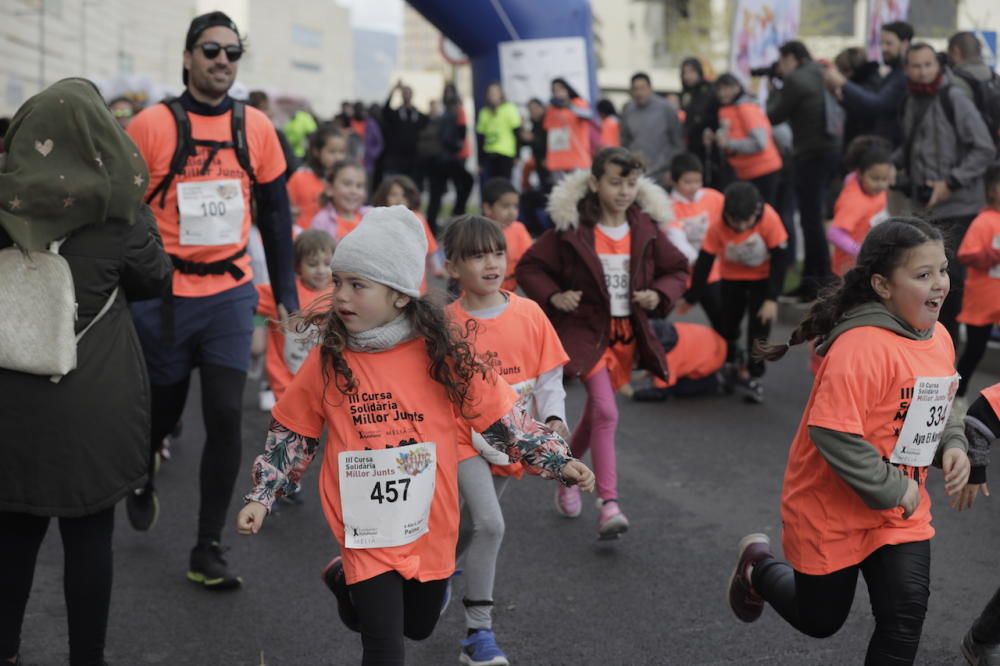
(453, 361)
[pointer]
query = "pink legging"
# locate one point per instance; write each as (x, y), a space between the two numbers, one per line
(596, 432)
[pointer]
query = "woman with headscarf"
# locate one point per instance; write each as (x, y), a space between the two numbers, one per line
(71, 450)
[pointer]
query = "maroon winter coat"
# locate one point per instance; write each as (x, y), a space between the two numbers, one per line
(564, 259)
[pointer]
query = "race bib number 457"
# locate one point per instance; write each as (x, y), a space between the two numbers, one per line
(386, 495)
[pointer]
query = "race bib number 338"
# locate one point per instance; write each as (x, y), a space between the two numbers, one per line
(386, 495)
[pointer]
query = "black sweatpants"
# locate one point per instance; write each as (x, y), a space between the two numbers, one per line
(898, 580)
(87, 570)
(739, 297)
(390, 607)
(222, 410)
(976, 339)
(441, 171)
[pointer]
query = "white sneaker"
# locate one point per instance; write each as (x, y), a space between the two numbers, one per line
(266, 400)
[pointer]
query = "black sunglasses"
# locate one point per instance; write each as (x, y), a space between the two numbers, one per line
(211, 50)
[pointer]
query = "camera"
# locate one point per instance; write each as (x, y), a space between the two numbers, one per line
(771, 71)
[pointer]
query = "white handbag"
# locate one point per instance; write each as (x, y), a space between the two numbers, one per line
(38, 312)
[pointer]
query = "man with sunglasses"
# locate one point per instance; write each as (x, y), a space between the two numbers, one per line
(208, 155)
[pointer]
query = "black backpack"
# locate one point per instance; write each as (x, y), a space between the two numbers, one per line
(187, 146)
(986, 97)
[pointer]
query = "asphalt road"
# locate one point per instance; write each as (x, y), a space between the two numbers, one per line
(695, 476)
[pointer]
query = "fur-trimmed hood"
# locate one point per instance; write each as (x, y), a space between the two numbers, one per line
(565, 196)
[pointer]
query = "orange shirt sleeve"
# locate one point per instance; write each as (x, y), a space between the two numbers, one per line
(266, 155)
(300, 409)
(773, 230)
(713, 241)
(979, 237)
(854, 381)
(489, 399)
(847, 207)
(551, 354)
(266, 306)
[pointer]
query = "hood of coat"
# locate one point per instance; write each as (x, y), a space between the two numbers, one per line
(565, 197)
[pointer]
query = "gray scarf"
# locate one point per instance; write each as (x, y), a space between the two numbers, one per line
(382, 337)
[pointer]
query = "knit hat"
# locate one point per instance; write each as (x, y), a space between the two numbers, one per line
(389, 247)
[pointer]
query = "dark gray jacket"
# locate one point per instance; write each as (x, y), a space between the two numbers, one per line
(800, 102)
(959, 152)
(653, 131)
(77, 447)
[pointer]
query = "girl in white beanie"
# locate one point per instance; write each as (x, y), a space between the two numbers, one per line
(394, 386)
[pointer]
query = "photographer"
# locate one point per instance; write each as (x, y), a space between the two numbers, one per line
(946, 149)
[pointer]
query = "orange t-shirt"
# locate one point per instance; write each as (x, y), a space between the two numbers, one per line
(568, 138)
(396, 402)
(743, 118)
(992, 396)
(856, 212)
(616, 257)
(863, 387)
(518, 241)
(359, 127)
(278, 374)
(304, 190)
(693, 217)
(154, 132)
(699, 353)
(610, 132)
(981, 300)
(525, 346)
(745, 256)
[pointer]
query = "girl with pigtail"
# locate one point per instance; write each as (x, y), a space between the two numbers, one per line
(854, 496)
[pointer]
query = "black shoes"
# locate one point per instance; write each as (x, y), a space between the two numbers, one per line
(210, 570)
(142, 508)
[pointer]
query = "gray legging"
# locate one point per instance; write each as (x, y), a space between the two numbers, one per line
(479, 535)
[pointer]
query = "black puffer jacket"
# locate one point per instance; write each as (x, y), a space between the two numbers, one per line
(77, 447)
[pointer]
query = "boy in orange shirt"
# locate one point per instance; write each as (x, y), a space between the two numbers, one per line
(749, 243)
(980, 253)
(500, 204)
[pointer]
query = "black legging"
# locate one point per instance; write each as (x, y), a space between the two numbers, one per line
(87, 567)
(222, 410)
(390, 607)
(976, 339)
(739, 297)
(440, 172)
(898, 580)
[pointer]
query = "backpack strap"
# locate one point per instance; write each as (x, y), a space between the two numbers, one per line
(240, 143)
(182, 151)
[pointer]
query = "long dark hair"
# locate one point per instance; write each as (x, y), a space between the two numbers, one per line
(590, 205)
(453, 362)
(317, 140)
(883, 250)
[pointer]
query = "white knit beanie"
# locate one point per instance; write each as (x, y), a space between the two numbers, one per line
(388, 246)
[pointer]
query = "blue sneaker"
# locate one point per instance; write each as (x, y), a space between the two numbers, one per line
(481, 649)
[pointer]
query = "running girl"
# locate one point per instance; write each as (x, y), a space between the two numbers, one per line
(854, 496)
(306, 186)
(599, 275)
(394, 389)
(862, 203)
(980, 253)
(343, 200)
(515, 334)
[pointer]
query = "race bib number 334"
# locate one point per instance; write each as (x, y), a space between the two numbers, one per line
(386, 495)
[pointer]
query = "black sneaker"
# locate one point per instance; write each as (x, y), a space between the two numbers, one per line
(728, 377)
(334, 579)
(210, 570)
(979, 654)
(143, 508)
(743, 599)
(651, 395)
(751, 389)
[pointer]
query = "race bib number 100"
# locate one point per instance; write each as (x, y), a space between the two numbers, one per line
(925, 421)
(386, 495)
(211, 212)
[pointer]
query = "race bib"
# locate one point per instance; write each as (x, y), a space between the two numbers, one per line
(297, 347)
(695, 228)
(925, 421)
(995, 270)
(751, 252)
(386, 495)
(616, 278)
(558, 139)
(879, 217)
(211, 212)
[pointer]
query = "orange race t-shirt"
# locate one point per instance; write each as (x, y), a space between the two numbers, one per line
(981, 300)
(699, 353)
(856, 212)
(304, 191)
(396, 403)
(568, 138)
(610, 132)
(992, 396)
(518, 241)
(279, 376)
(741, 119)
(692, 217)
(864, 387)
(616, 257)
(746, 255)
(154, 132)
(523, 345)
